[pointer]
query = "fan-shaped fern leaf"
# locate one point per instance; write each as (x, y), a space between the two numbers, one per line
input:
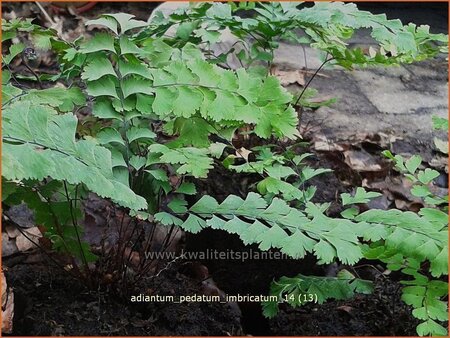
(193, 88)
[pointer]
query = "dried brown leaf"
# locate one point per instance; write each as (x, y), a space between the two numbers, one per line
(23, 243)
(288, 77)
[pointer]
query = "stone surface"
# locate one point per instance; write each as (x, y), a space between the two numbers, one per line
(22, 215)
(293, 56)
(394, 95)
(388, 100)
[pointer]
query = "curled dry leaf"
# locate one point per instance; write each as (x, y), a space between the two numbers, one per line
(195, 270)
(175, 181)
(408, 206)
(398, 190)
(4, 286)
(243, 153)
(439, 163)
(12, 231)
(288, 77)
(7, 307)
(345, 308)
(361, 161)
(23, 243)
(322, 143)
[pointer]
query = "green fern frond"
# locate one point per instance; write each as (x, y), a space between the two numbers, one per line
(193, 161)
(277, 226)
(189, 88)
(300, 290)
(39, 143)
(409, 234)
(426, 297)
(327, 26)
(295, 233)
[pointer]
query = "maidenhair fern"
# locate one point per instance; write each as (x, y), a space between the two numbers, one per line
(39, 36)
(425, 296)
(411, 235)
(300, 290)
(186, 88)
(190, 160)
(283, 174)
(326, 26)
(167, 107)
(38, 143)
(295, 233)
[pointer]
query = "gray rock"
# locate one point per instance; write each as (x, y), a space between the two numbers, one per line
(22, 215)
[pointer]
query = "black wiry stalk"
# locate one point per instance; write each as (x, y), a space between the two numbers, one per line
(312, 78)
(24, 233)
(75, 226)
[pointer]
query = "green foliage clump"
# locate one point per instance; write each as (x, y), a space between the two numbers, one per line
(325, 26)
(38, 144)
(165, 110)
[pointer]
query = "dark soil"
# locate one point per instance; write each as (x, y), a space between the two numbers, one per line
(379, 314)
(48, 302)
